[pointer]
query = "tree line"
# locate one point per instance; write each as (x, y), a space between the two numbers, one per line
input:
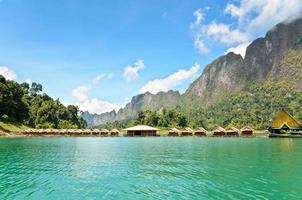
(256, 107)
(26, 104)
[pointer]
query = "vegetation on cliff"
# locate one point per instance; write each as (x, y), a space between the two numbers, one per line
(26, 104)
(256, 108)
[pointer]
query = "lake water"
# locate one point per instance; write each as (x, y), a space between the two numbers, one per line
(150, 168)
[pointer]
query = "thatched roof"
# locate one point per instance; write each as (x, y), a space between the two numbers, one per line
(2, 133)
(285, 118)
(219, 129)
(247, 128)
(174, 130)
(105, 130)
(233, 129)
(141, 128)
(188, 130)
(201, 129)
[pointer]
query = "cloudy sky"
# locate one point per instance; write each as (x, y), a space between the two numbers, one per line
(97, 54)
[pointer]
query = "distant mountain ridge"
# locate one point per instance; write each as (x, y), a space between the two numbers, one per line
(146, 101)
(275, 57)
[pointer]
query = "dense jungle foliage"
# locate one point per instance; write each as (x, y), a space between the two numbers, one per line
(26, 104)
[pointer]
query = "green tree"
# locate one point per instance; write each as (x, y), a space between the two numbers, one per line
(35, 89)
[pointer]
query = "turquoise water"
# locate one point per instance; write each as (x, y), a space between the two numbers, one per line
(150, 168)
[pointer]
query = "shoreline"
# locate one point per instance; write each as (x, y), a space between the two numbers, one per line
(18, 135)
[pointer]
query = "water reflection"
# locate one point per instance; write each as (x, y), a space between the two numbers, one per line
(156, 168)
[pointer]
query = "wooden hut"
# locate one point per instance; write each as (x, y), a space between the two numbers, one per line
(232, 132)
(114, 132)
(173, 132)
(2, 133)
(104, 132)
(95, 132)
(285, 123)
(219, 132)
(247, 131)
(71, 131)
(186, 132)
(48, 132)
(27, 132)
(64, 132)
(85, 132)
(141, 130)
(200, 132)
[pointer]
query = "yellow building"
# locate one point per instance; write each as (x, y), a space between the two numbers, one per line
(284, 123)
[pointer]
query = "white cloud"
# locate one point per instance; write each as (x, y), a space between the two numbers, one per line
(199, 16)
(92, 105)
(200, 45)
(96, 106)
(240, 49)
(131, 72)
(171, 81)
(261, 15)
(214, 32)
(7, 73)
(224, 34)
(252, 18)
(28, 80)
(100, 77)
(81, 93)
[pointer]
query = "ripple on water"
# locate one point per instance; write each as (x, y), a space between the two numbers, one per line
(149, 168)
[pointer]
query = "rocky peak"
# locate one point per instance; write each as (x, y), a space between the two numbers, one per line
(264, 52)
(221, 75)
(148, 101)
(231, 72)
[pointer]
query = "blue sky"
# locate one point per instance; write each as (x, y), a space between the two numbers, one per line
(98, 54)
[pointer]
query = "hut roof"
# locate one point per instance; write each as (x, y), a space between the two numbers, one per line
(114, 131)
(105, 130)
(285, 118)
(173, 130)
(189, 130)
(233, 129)
(219, 129)
(141, 128)
(201, 129)
(247, 128)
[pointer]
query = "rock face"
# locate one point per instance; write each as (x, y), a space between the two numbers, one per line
(275, 57)
(149, 101)
(289, 68)
(231, 73)
(95, 119)
(263, 53)
(145, 101)
(222, 75)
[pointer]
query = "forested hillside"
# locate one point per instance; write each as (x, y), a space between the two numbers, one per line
(26, 104)
(256, 108)
(237, 91)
